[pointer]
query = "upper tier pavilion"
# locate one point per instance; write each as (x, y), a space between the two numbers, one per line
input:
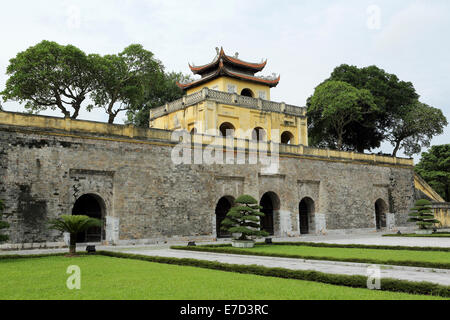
(230, 99)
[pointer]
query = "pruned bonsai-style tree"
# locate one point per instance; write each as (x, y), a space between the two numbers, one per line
(244, 218)
(3, 224)
(422, 215)
(73, 224)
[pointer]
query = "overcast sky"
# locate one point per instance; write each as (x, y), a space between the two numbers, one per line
(302, 40)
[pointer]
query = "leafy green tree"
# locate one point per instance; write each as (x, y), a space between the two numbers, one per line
(414, 126)
(434, 168)
(3, 224)
(49, 75)
(422, 214)
(164, 89)
(122, 80)
(389, 95)
(335, 105)
(244, 218)
(73, 224)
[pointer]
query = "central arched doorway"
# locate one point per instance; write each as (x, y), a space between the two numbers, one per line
(380, 214)
(306, 211)
(92, 206)
(223, 206)
(270, 204)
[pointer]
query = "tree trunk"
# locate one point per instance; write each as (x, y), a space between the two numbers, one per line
(111, 118)
(73, 243)
(339, 141)
(397, 146)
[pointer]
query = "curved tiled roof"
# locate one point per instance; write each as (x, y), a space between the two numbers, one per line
(252, 67)
(222, 70)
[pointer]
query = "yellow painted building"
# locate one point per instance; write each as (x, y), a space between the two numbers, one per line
(229, 99)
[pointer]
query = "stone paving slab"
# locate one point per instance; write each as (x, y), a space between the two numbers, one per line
(440, 276)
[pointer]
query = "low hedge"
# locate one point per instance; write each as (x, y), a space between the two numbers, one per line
(40, 255)
(356, 281)
(227, 250)
(336, 245)
(414, 235)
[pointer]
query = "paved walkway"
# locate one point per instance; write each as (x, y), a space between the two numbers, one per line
(439, 276)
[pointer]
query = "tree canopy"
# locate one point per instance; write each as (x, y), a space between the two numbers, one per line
(399, 117)
(434, 168)
(50, 75)
(413, 126)
(163, 90)
(122, 80)
(336, 104)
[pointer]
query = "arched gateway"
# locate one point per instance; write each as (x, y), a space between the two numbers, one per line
(93, 206)
(306, 211)
(270, 203)
(380, 214)
(223, 206)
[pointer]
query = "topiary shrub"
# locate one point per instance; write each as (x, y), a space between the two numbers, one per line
(422, 215)
(244, 218)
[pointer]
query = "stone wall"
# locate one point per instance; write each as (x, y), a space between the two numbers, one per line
(146, 198)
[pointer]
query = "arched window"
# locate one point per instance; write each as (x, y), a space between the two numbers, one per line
(226, 129)
(247, 92)
(287, 138)
(258, 134)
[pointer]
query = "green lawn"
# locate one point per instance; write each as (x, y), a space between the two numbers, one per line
(113, 278)
(375, 255)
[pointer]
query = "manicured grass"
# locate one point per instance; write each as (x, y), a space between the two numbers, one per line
(113, 278)
(433, 235)
(434, 259)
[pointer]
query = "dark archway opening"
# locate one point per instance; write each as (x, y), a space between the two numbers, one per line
(258, 134)
(222, 208)
(270, 203)
(247, 93)
(380, 214)
(226, 129)
(287, 137)
(92, 206)
(306, 211)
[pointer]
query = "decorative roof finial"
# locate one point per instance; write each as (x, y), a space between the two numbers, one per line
(236, 55)
(217, 50)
